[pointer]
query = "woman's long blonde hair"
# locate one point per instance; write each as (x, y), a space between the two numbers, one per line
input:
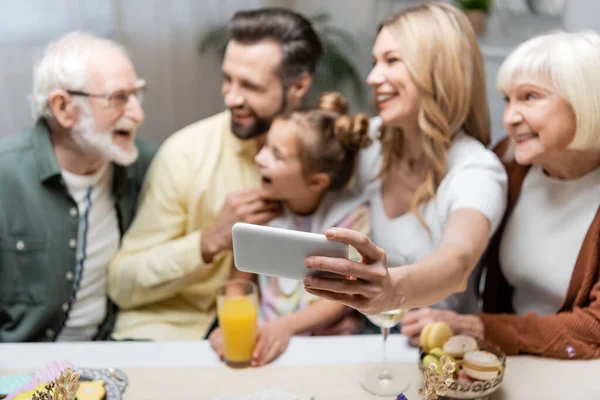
(441, 53)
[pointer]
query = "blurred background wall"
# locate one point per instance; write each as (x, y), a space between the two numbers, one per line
(162, 37)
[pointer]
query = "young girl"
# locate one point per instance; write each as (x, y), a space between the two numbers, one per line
(307, 163)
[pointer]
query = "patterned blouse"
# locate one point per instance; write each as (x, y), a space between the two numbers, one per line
(280, 296)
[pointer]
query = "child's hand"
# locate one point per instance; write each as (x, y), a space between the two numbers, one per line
(216, 342)
(273, 339)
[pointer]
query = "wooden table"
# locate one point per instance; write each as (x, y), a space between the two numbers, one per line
(317, 368)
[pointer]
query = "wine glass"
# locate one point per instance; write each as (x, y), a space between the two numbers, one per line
(381, 380)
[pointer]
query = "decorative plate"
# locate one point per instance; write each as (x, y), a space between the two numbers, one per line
(115, 380)
(477, 389)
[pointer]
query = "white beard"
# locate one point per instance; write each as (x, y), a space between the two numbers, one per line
(101, 143)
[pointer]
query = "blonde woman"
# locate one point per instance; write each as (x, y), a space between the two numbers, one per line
(542, 292)
(440, 194)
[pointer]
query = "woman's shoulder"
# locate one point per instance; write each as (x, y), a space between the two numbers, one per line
(468, 152)
(475, 179)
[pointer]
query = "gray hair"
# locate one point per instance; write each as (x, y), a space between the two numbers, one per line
(568, 63)
(64, 65)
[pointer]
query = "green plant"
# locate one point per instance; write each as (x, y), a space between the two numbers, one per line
(335, 71)
(483, 5)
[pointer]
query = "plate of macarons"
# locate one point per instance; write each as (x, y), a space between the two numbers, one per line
(480, 364)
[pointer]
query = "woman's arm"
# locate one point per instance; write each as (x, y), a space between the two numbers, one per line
(568, 334)
(445, 271)
(430, 280)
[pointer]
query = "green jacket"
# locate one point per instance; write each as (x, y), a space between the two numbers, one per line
(38, 225)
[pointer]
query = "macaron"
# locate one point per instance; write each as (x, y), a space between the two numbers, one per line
(481, 365)
(458, 345)
(461, 376)
(431, 359)
(435, 335)
(438, 353)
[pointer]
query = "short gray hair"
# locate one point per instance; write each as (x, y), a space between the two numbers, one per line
(568, 63)
(64, 65)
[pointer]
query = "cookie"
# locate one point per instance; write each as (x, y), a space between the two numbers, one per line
(481, 365)
(91, 390)
(458, 345)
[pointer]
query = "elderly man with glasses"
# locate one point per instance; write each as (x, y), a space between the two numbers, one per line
(70, 186)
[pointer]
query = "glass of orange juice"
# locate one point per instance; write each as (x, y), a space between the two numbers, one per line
(237, 310)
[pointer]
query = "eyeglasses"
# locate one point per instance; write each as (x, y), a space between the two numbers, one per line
(118, 99)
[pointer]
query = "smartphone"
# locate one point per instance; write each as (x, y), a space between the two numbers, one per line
(280, 252)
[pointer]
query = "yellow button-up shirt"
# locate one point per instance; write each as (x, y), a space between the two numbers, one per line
(158, 278)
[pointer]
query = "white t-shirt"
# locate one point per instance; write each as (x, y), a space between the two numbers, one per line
(543, 237)
(476, 179)
(97, 242)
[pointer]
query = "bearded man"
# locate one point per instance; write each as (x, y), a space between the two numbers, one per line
(204, 179)
(70, 186)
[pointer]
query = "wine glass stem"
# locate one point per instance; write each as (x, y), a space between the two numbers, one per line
(384, 374)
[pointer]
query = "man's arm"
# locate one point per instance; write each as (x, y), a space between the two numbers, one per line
(157, 257)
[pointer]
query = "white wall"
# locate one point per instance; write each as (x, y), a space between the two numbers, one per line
(25, 28)
(505, 31)
(161, 36)
(582, 14)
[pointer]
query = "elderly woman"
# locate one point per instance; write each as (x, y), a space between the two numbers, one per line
(542, 292)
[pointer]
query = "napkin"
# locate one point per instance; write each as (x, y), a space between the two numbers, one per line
(271, 394)
(46, 374)
(8, 383)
